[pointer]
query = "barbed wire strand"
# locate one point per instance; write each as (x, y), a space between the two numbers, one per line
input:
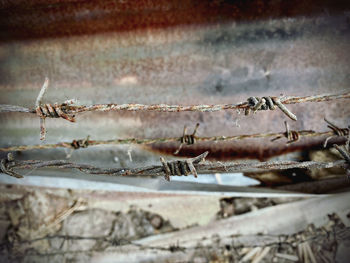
(83, 143)
(67, 110)
(158, 170)
(74, 109)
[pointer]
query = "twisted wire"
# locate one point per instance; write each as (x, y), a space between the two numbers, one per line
(180, 167)
(291, 138)
(74, 109)
(291, 135)
(54, 111)
(49, 110)
(6, 166)
(156, 170)
(68, 110)
(267, 103)
(77, 144)
(202, 108)
(336, 131)
(187, 139)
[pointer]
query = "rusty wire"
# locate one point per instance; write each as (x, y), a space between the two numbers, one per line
(182, 167)
(74, 109)
(263, 103)
(158, 170)
(345, 132)
(290, 135)
(188, 139)
(267, 103)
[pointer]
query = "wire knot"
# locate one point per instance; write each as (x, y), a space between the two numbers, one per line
(181, 167)
(267, 103)
(6, 166)
(54, 111)
(291, 135)
(82, 143)
(337, 132)
(187, 139)
(49, 110)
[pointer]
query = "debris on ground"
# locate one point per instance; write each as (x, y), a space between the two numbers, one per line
(55, 225)
(231, 206)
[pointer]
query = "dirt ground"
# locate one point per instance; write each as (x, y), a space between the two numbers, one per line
(59, 225)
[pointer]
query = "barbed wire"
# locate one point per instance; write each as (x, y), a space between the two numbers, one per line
(292, 136)
(74, 109)
(71, 109)
(156, 170)
(68, 109)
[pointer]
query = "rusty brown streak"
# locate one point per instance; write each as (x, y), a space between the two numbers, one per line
(53, 18)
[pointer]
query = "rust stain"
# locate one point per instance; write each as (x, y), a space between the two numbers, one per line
(54, 18)
(262, 150)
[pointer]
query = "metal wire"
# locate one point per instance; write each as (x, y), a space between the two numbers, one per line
(156, 170)
(74, 109)
(68, 110)
(267, 103)
(145, 141)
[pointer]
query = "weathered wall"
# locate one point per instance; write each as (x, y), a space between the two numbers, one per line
(221, 61)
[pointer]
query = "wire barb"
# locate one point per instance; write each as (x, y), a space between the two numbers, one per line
(74, 109)
(5, 166)
(82, 143)
(337, 132)
(158, 170)
(345, 153)
(181, 167)
(187, 139)
(346, 156)
(267, 103)
(49, 110)
(291, 135)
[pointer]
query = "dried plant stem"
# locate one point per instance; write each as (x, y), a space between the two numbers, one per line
(305, 133)
(158, 170)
